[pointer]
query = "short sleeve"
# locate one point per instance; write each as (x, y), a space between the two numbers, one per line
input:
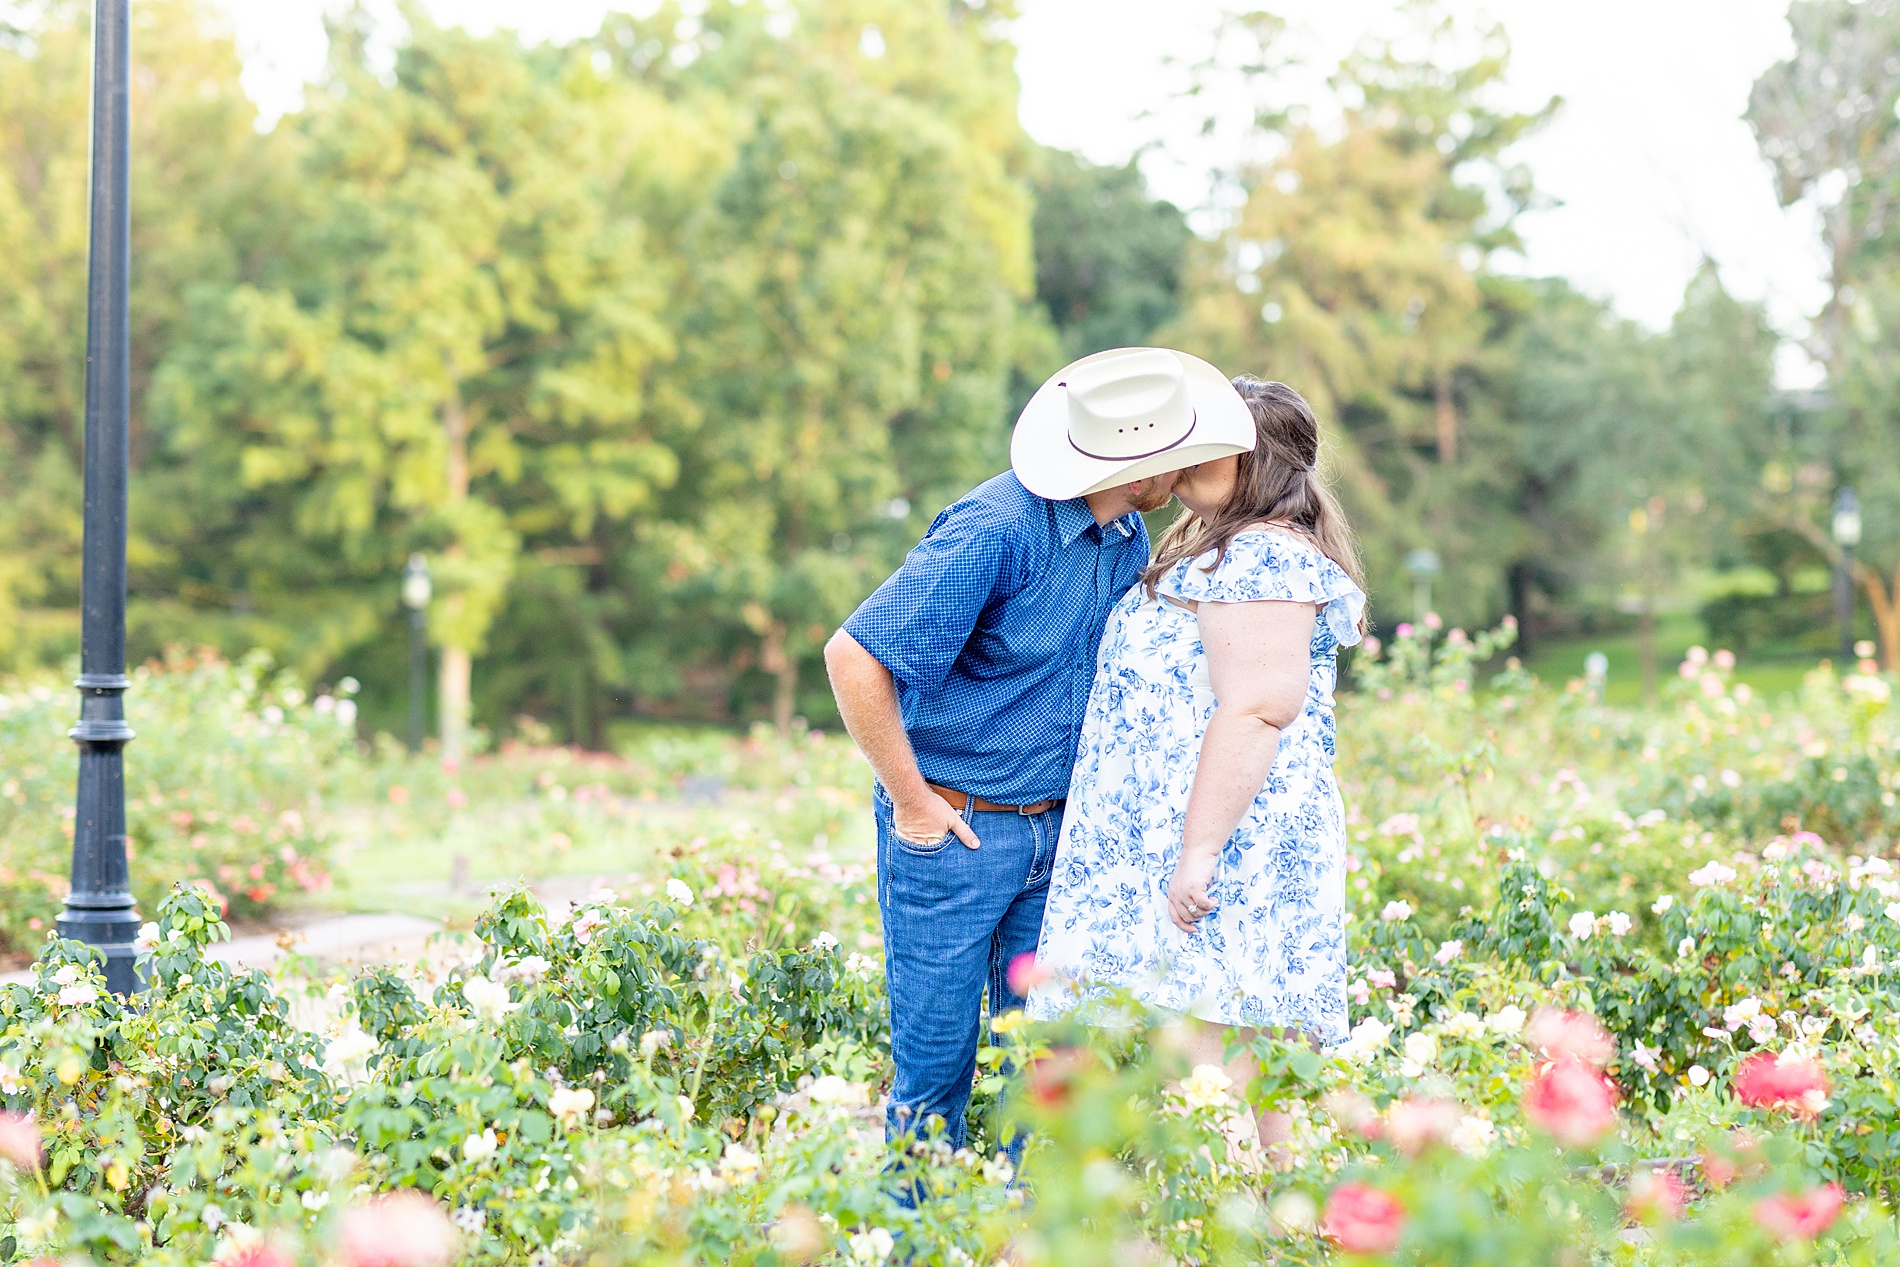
(918, 621)
(1271, 567)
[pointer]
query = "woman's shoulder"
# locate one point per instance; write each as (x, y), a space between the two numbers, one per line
(1270, 562)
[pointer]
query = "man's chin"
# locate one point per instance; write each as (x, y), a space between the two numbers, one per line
(1154, 500)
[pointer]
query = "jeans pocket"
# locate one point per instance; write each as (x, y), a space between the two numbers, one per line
(916, 850)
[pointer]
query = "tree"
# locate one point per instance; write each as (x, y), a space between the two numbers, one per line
(859, 293)
(1356, 270)
(458, 351)
(1825, 119)
(1109, 258)
(201, 200)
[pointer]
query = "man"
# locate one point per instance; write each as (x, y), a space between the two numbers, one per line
(965, 677)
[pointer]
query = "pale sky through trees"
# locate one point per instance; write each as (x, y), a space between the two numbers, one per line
(1649, 159)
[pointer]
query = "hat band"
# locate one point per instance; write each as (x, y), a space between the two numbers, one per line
(1193, 419)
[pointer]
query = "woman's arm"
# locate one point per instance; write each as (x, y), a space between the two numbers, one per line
(1258, 661)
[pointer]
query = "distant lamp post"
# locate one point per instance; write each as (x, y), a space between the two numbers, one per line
(416, 592)
(99, 909)
(1846, 536)
(1596, 674)
(1423, 566)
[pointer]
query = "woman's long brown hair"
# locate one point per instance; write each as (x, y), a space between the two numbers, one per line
(1278, 483)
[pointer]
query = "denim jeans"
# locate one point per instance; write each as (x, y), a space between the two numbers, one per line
(954, 917)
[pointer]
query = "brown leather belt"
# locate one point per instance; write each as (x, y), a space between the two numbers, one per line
(961, 799)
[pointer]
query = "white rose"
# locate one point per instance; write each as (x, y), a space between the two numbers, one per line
(676, 890)
(1507, 1021)
(1206, 1087)
(147, 940)
(571, 1104)
(78, 995)
(1619, 923)
(1698, 1076)
(1663, 903)
(1421, 1049)
(1582, 924)
(871, 1247)
(739, 1162)
(824, 943)
(1465, 1025)
(479, 1147)
(67, 975)
(1474, 1135)
(488, 1000)
(1396, 912)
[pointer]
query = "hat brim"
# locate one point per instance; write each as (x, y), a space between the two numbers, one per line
(1051, 467)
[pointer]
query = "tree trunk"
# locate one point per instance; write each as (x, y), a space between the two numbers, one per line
(1886, 605)
(452, 703)
(1518, 581)
(1445, 413)
(784, 669)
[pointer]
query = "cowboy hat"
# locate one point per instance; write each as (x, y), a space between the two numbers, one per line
(1123, 415)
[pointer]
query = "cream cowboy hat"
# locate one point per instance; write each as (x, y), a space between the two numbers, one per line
(1123, 415)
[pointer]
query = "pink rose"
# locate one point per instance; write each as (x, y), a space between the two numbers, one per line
(1572, 1103)
(1362, 1219)
(1795, 1083)
(20, 1141)
(398, 1229)
(1570, 1035)
(1802, 1216)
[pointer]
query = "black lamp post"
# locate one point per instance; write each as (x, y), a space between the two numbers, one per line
(416, 592)
(99, 909)
(1846, 536)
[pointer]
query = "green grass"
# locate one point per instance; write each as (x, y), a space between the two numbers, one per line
(1558, 661)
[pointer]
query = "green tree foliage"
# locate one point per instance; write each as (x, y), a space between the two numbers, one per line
(201, 176)
(860, 278)
(1825, 119)
(1110, 259)
(1357, 270)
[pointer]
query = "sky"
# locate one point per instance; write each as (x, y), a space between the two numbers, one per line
(1647, 165)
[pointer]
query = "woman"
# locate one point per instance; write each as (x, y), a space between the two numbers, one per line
(1202, 862)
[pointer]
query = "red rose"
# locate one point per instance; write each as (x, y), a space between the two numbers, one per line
(1795, 1083)
(1572, 1103)
(1361, 1219)
(1051, 1080)
(1800, 1217)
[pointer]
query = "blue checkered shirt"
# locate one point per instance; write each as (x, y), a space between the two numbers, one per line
(991, 628)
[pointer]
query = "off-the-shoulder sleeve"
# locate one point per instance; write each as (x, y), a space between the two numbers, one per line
(1266, 567)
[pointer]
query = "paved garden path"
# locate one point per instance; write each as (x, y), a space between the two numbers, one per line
(387, 937)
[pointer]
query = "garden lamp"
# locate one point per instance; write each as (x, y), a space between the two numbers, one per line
(99, 909)
(1423, 566)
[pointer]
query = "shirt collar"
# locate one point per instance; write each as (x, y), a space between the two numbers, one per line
(1073, 518)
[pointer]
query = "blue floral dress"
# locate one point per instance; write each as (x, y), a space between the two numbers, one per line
(1274, 951)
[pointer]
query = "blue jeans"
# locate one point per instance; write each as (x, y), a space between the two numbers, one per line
(954, 917)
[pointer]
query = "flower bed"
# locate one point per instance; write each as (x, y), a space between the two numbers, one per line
(1592, 1024)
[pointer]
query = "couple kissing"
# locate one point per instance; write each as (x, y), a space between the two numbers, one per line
(1118, 762)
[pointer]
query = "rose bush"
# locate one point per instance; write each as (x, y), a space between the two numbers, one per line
(1600, 1012)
